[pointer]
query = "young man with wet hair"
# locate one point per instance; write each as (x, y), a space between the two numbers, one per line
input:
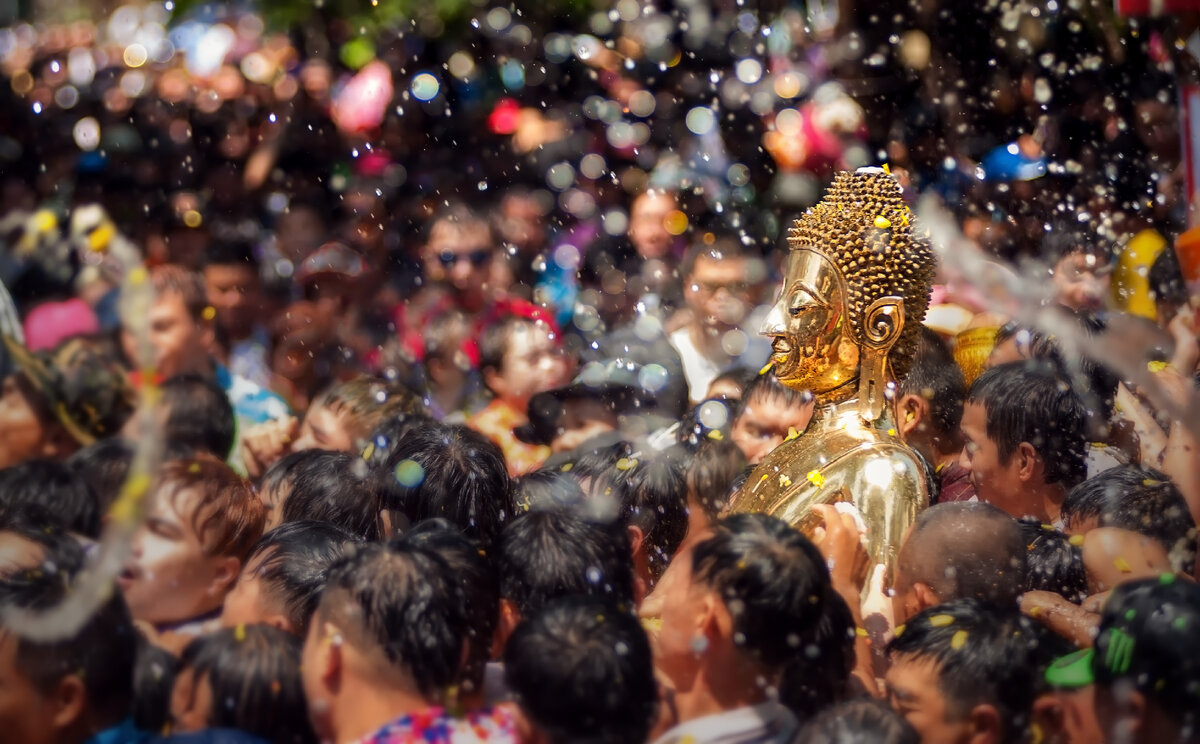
(447, 471)
(384, 648)
(967, 672)
(755, 596)
(770, 413)
(332, 487)
(1024, 441)
(283, 576)
(548, 553)
(581, 671)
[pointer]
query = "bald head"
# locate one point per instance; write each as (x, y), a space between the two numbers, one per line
(962, 550)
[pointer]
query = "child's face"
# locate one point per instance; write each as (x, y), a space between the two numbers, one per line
(1081, 281)
(246, 604)
(191, 702)
(532, 363)
(582, 419)
(169, 576)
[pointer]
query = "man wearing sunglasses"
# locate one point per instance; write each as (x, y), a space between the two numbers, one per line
(459, 258)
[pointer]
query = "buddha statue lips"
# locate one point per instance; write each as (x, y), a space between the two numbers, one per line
(855, 290)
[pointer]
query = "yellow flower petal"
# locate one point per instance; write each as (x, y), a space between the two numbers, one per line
(959, 640)
(941, 621)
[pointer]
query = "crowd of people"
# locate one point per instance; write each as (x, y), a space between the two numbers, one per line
(424, 372)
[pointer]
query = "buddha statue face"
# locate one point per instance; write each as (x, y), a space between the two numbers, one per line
(811, 341)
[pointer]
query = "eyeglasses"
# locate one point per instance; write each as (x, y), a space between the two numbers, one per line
(709, 289)
(477, 258)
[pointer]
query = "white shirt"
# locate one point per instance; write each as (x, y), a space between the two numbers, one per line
(765, 723)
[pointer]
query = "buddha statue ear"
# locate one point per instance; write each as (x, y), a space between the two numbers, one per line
(881, 326)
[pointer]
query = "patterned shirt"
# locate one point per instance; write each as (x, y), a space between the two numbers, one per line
(436, 726)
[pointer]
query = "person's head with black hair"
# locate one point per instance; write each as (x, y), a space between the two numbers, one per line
(63, 493)
(770, 412)
(245, 678)
(324, 486)
(1097, 383)
(754, 597)
(862, 721)
(1053, 563)
(1080, 265)
(581, 673)
(711, 420)
(722, 279)
(929, 400)
(1167, 286)
(451, 472)
(342, 417)
(547, 488)
(153, 681)
(550, 553)
(386, 639)
(1024, 441)
(520, 356)
(820, 677)
(233, 286)
(711, 475)
(33, 540)
(459, 251)
(1138, 499)
(731, 384)
(283, 576)
(388, 435)
(958, 550)
(70, 689)
(476, 573)
(968, 671)
(650, 494)
(104, 466)
(196, 415)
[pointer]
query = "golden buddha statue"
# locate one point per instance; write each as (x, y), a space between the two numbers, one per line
(845, 324)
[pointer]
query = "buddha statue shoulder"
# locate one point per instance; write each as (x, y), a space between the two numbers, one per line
(856, 288)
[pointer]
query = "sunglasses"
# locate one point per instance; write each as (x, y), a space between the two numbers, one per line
(477, 258)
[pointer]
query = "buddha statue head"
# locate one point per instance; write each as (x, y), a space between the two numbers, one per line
(855, 292)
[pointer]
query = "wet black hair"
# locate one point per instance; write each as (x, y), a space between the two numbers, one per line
(295, 560)
(1053, 564)
(476, 573)
(104, 466)
(153, 680)
(199, 415)
(1139, 499)
(934, 376)
(101, 653)
(967, 549)
(388, 435)
(37, 524)
(64, 494)
(820, 676)
(740, 376)
(447, 471)
(862, 721)
(652, 490)
(1029, 402)
(985, 654)
(582, 673)
(231, 253)
(1166, 279)
(712, 473)
(549, 553)
(768, 387)
(401, 605)
(329, 487)
(254, 674)
(547, 488)
(773, 581)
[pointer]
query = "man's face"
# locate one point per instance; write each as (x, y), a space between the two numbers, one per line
(913, 690)
(809, 328)
(718, 292)
(26, 715)
(313, 662)
(23, 435)
(532, 363)
(647, 224)
(234, 292)
(181, 343)
(324, 428)
(191, 702)
(1081, 282)
(904, 598)
(169, 576)
(679, 641)
(461, 256)
(995, 481)
(1077, 716)
(582, 419)
(763, 424)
